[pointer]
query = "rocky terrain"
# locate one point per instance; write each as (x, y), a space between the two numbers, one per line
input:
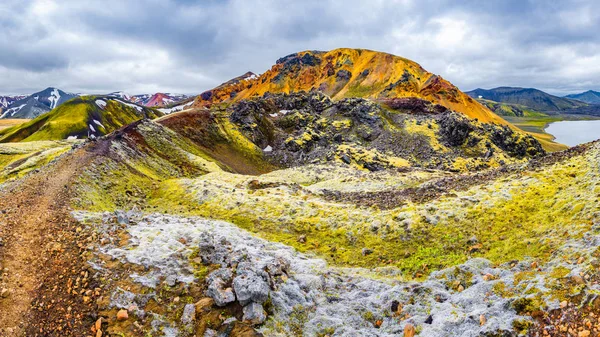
(301, 213)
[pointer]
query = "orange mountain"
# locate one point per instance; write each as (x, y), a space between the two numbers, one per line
(347, 72)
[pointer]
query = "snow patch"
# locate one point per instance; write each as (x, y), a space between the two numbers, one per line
(101, 104)
(268, 149)
(99, 124)
(54, 98)
(177, 108)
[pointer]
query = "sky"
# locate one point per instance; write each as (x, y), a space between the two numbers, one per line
(185, 46)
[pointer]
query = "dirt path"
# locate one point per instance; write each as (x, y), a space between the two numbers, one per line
(40, 254)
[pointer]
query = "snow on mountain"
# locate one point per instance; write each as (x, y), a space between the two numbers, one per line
(36, 104)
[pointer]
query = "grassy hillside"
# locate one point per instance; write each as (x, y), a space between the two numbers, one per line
(82, 117)
(343, 73)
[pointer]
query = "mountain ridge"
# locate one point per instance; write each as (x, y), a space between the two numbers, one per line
(590, 96)
(530, 97)
(344, 73)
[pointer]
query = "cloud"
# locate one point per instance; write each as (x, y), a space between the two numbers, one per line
(190, 46)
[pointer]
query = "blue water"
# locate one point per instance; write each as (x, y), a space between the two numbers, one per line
(573, 133)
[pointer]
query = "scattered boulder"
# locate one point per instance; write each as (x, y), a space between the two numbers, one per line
(254, 313)
(250, 287)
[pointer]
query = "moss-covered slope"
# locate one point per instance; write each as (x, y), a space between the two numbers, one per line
(82, 117)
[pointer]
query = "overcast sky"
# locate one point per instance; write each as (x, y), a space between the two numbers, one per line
(184, 46)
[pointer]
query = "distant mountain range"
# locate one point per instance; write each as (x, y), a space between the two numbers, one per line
(590, 96)
(5, 101)
(158, 99)
(36, 104)
(32, 106)
(528, 97)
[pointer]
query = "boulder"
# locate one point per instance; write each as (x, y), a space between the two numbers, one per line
(254, 313)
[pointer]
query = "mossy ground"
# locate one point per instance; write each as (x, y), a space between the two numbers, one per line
(525, 214)
(18, 159)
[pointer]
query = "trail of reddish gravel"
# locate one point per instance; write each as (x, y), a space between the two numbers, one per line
(41, 255)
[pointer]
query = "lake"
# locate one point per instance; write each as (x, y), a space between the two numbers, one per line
(573, 133)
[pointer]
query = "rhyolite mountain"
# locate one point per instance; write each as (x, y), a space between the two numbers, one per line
(528, 97)
(343, 73)
(158, 99)
(37, 104)
(590, 96)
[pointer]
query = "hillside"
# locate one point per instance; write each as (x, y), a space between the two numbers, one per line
(590, 96)
(531, 98)
(82, 117)
(343, 73)
(182, 243)
(37, 104)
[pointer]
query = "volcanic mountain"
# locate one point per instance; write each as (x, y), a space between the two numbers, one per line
(343, 73)
(37, 104)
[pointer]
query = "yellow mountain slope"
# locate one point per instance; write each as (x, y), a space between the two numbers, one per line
(348, 72)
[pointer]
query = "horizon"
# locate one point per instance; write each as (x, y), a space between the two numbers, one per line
(91, 48)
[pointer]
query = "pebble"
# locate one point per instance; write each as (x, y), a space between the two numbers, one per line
(122, 315)
(409, 330)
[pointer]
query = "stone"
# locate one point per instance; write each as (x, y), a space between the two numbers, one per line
(488, 277)
(98, 325)
(221, 296)
(4, 293)
(122, 217)
(204, 303)
(564, 304)
(217, 287)
(367, 251)
(189, 314)
(429, 320)
(250, 287)
(409, 330)
(122, 315)
(254, 313)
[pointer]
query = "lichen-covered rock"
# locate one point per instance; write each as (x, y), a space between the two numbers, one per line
(250, 285)
(254, 313)
(218, 286)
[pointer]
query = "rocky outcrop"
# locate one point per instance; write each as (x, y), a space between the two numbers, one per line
(302, 128)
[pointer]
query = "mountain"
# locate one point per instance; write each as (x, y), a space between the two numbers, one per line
(162, 99)
(529, 97)
(5, 101)
(82, 117)
(150, 100)
(37, 104)
(590, 96)
(343, 73)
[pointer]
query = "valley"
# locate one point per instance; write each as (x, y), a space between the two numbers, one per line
(339, 193)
